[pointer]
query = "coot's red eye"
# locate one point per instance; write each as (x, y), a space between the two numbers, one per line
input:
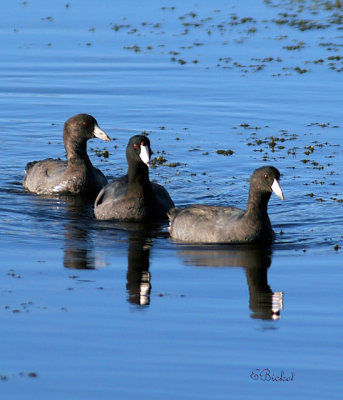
(85, 123)
(135, 146)
(266, 176)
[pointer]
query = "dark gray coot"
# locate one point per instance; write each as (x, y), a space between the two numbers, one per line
(76, 175)
(209, 224)
(133, 197)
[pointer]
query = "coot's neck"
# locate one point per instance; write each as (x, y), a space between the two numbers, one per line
(76, 150)
(139, 183)
(258, 204)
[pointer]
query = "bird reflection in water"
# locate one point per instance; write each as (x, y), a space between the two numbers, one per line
(79, 252)
(78, 248)
(263, 302)
(141, 235)
(138, 276)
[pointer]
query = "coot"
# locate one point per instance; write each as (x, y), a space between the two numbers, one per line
(209, 224)
(133, 197)
(76, 175)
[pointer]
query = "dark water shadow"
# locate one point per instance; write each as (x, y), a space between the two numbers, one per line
(81, 231)
(255, 260)
(138, 236)
(44, 208)
(78, 243)
(138, 275)
(149, 228)
(75, 215)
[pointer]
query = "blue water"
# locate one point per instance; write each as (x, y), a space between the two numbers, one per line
(95, 309)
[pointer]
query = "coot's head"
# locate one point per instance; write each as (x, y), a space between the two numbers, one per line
(138, 150)
(82, 127)
(266, 180)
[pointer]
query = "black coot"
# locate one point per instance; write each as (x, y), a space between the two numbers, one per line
(133, 197)
(76, 175)
(208, 224)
